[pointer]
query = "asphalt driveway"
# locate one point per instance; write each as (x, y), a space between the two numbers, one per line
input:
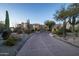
(42, 44)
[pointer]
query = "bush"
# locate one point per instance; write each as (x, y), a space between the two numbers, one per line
(15, 35)
(28, 31)
(68, 30)
(36, 29)
(58, 31)
(32, 30)
(76, 33)
(18, 30)
(54, 31)
(6, 34)
(11, 41)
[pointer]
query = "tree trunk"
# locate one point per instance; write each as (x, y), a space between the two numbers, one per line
(73, 29)
(64, 29)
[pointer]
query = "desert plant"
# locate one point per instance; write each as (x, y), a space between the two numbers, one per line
(50, 24)
(11, 41)
(68, 30)
(61, 15)
(32, 30)
(73, 15)
(2, 26)
(5, 35)
(76, 33)
(58, 31)
(54, 30)
(18, 30)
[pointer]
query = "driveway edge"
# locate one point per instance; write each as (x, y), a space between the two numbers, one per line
(61, 39)
(23, 44)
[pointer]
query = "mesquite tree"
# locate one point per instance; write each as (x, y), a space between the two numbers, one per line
(61, 15)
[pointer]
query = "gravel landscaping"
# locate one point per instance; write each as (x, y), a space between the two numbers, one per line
(12, 51)
(69, 39)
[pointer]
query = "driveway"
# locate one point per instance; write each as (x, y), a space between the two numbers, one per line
(42, 44)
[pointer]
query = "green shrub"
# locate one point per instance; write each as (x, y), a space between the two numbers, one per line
(18, 30)
(36, 29)
(76, 33)
(32, 30)
(58, 31)
(54, 31)
(6, 34)
(11, 41)
(68, 30)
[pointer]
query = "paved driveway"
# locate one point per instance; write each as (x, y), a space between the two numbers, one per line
(42, 44)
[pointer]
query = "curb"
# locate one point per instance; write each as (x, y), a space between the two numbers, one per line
(67, 42)
(22, 45)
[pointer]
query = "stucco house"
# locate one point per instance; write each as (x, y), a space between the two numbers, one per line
(36, 26)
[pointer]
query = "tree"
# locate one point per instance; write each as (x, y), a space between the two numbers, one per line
(61, 15)
(73, 15)
(2, 26)
(28, 26)
(7, 20)
(50, 24)
(7, 32)
(73, 22)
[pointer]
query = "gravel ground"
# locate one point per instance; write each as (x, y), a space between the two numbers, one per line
(11, 51)
(69, 39)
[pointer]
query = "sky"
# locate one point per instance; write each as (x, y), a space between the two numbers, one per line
(35, 12)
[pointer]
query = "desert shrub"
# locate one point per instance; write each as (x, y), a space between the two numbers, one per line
(58, 31)
(76, 33)
(18, 30)
(6, 34)
(2, 26)
(11, 41)
(15, 35)
(28, 31)
(36, 29)
(32, 30)
(54, 30)
(68, 30)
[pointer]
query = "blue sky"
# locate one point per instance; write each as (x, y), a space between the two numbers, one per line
(37, 13)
